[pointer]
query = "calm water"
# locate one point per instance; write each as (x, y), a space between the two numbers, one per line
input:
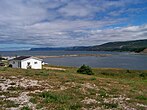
(117, 60)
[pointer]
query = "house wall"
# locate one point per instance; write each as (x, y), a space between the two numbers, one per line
(38, 65)
(14, 63)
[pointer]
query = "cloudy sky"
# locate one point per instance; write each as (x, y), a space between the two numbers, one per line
(52, 23)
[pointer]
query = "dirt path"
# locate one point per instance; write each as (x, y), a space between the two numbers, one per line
(55, 68)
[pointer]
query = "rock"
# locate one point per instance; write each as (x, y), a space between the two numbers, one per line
(89, 101)
(144, 51)
(89, 86)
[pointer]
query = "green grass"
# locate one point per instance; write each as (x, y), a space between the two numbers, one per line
(141, 97)
(26, 108)
(110, 105)
(75, 106)
(8, 103)
(53, 97)
(93, 78)
(102, 93)
(33, 100)
(3, 68)
(39, 106)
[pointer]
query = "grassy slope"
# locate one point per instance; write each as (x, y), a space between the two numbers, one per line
(135, 46)
(66, 90)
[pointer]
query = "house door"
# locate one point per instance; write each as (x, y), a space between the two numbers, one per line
(28, 65)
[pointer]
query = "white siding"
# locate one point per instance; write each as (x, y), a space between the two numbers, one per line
(38, 65)
(14, 63)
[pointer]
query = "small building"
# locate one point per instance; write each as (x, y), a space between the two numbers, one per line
(26, 62)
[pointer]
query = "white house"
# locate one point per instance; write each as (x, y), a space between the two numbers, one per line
(26, 62)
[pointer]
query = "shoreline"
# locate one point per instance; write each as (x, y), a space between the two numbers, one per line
(75, 55)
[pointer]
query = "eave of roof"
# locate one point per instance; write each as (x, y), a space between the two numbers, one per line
(24, 58)
(20, 58)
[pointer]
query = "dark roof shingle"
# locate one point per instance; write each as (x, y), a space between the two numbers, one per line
(21, 58)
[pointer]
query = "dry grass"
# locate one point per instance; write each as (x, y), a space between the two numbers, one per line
(54, 68)
(115, 89)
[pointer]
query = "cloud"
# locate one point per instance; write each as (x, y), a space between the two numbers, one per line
(69, 22)
(84, 37)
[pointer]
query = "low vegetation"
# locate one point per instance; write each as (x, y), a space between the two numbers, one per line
(85, 70)
(115, 89)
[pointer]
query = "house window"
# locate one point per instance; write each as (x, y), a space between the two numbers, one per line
(13, 62)
(28, 63)
(35, 62)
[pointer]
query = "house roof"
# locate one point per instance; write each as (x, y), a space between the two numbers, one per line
(24, 58)
(21, 58)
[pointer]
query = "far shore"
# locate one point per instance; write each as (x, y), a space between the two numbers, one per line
(75, 55)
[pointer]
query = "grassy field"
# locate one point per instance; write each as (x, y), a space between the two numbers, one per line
(107, 89)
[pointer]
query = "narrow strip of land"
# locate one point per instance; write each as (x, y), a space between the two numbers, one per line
(76, 55)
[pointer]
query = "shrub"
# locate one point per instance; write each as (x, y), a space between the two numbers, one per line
(143, 75)
(128, 71)
(85, 70)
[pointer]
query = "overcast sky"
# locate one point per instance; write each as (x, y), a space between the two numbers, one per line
(52, 23)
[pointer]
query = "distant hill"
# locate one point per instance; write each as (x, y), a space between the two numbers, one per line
(47, 49)
(60, 48)
(131, 46)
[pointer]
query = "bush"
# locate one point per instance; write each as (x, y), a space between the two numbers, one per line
(85, 70)
(143, 75)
